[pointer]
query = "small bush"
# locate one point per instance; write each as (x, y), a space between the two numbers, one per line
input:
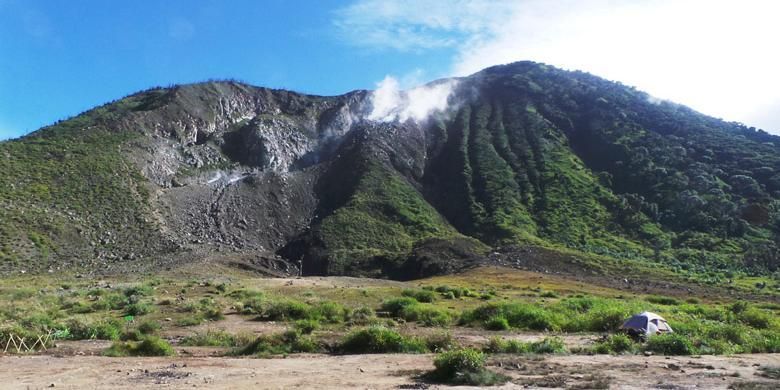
(755, 318)
(450, 364)
(149, 327)
(396, 305)
(670, 344)
(138, 309)
(548, 294)
(410, 310)
(190, 320)
(764, 341)
(616, 343)
(499, 345)
(140, 291)
(278, 344)
(425, 296)
(548, 345)
(439, 342)
(307, 326)
(286, 310)
(454, 292)
(102, 330)
(148, 346)
(662, 300)
(330, 312)
(464, 367)
(218, 338)
(362, 316)
(599, 319)
(497, 323)
(428, 316)
(738, 307)
(519, 315)
(378, 339)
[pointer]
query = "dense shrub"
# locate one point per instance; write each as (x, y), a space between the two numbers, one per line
(547, 345)
(756, 318)
(409, 309)
(454, 292)
(331, 312)
(307, 326)
(450, 364)
(148, 346)
(286, 310)
(378, 339)
(362, 316)
(102, 330)
(662, 300)
(439, 342)
(280, 343)
(218, 338)
(616, 343)
(138, 309)
(518, 315)
(464, 367)
(394, 306)
(670, 344)
(425, 296)
(497, 322)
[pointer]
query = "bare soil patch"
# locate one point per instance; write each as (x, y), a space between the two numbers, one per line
(380, 372)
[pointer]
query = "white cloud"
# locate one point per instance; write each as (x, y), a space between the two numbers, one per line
(718, 57)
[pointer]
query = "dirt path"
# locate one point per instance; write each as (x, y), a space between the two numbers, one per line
(376, 372)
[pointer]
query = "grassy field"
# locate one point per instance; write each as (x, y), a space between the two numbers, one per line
(350, 315)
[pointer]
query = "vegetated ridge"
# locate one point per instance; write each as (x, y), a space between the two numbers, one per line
(524, 156)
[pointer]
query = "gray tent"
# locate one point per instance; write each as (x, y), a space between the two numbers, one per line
(646, 324)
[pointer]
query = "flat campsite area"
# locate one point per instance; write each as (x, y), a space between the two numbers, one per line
(381, 371)
(238, 331)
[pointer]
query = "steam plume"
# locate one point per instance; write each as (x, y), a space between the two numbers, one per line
(390, 103)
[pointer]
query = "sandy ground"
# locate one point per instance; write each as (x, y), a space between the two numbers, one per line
(376, 372)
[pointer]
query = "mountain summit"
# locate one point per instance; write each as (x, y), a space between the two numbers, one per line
(399, 184)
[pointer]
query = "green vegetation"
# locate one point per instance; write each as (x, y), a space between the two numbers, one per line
(546, 346)
(409, 309)
(362, 319)
(217, 338)
(464, 367)
(617, 344)
(384, 216)
(147, 346)
(279, 344)
(425, 296)
(378, 339)
(670, 344)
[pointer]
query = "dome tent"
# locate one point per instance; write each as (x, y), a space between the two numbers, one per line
(646, 324)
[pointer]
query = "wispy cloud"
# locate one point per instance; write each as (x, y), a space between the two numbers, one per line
(717, 56)
(413, 25)
(181, 29)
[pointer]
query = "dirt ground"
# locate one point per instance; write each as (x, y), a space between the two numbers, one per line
(392, 371)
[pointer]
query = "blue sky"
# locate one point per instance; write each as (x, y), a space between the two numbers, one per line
(59, 58)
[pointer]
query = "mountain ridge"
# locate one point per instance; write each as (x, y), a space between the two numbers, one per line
(523, 154)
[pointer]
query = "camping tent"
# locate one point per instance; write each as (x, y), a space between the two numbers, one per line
(646, 324)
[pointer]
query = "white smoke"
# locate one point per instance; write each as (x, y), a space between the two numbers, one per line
(390, 103)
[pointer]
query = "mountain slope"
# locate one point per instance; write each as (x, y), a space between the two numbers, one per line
(523, 154)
